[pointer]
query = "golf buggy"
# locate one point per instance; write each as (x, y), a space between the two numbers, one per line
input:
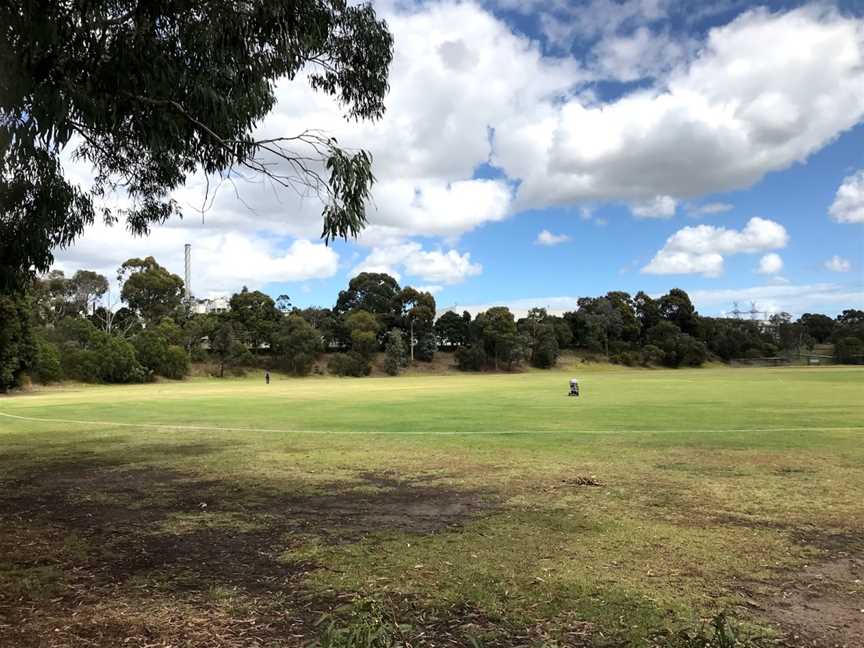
(574, 387)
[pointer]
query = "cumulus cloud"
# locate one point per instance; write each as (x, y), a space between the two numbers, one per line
(848, 205)
(639, 55)
(838, 264)
(435, 266)
(770, 264)
(222, 262)
(701, 249)
(762, 93)
(736, 112)
(545, 237)
(658, 207)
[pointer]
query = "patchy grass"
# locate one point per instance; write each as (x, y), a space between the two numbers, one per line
(491, 510)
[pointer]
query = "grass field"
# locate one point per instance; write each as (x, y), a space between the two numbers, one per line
(453, 510)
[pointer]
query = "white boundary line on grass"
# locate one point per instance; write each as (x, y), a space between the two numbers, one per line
(206, 428)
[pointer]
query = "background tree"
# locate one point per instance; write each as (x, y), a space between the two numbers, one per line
(296, 345)
(151, 92)
(150, 290)
(257, 314)
(283, 303)
(417, 319)
(452, 330)
(539, 334)
(17, 347)
(363, 329)
(676, 307)
(325, 322)
(818, 326)
(228, 349)
(51, 297)
(87, 287)
(374, 292)
(394, 353)
(647, 312)
(501, 340)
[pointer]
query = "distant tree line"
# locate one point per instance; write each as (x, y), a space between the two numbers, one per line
(63, 327)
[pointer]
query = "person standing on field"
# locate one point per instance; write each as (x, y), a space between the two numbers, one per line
(267, 376)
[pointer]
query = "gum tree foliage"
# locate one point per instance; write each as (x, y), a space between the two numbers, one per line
(226, 346)
(257, 314)
(150, 290)
(539, 334)
(17, 347)
(55, 296)
(151, 92)
(497, 332)
(647, 312)
(324, 321)
(46, 362)
(296, 345)
(362, 327)
(676, 307)
(395, 356)
(374, 292)
(418, 308)
(818, 326)
(453, 330)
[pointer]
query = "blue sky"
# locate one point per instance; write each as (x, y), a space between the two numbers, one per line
(715, 147)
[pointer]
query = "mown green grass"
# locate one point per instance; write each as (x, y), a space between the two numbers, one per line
(710, 478)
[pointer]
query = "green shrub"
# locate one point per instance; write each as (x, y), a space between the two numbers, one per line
(652, 356)
(80, 364)
(151, 349)
(117, 362)
(425, 348)
(349, 364)
(394, 353)
(627, 358)
(849, 350)
(471, 358)
(176, 363)
(46, 364)
(296, 345)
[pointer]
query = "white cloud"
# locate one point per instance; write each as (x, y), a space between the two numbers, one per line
(709, 209)
(222, 262)
(838, 264)
(545, 237)
(435, 266)
(770, 264)
(433, 289)
(795, 299)
(658, 207)
(848, 205)
(701, 249)
(764, 92)
(639, 55)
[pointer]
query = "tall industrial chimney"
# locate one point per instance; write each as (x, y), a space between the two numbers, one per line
(188, 251)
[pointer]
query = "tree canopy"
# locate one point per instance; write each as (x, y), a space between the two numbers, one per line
(151, 92)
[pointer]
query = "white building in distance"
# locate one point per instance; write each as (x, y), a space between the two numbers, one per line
(207, 306)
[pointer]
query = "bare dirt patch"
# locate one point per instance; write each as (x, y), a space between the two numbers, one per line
(141, 555)
(823, 605)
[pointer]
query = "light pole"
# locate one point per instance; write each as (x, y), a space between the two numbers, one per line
(411, 341)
